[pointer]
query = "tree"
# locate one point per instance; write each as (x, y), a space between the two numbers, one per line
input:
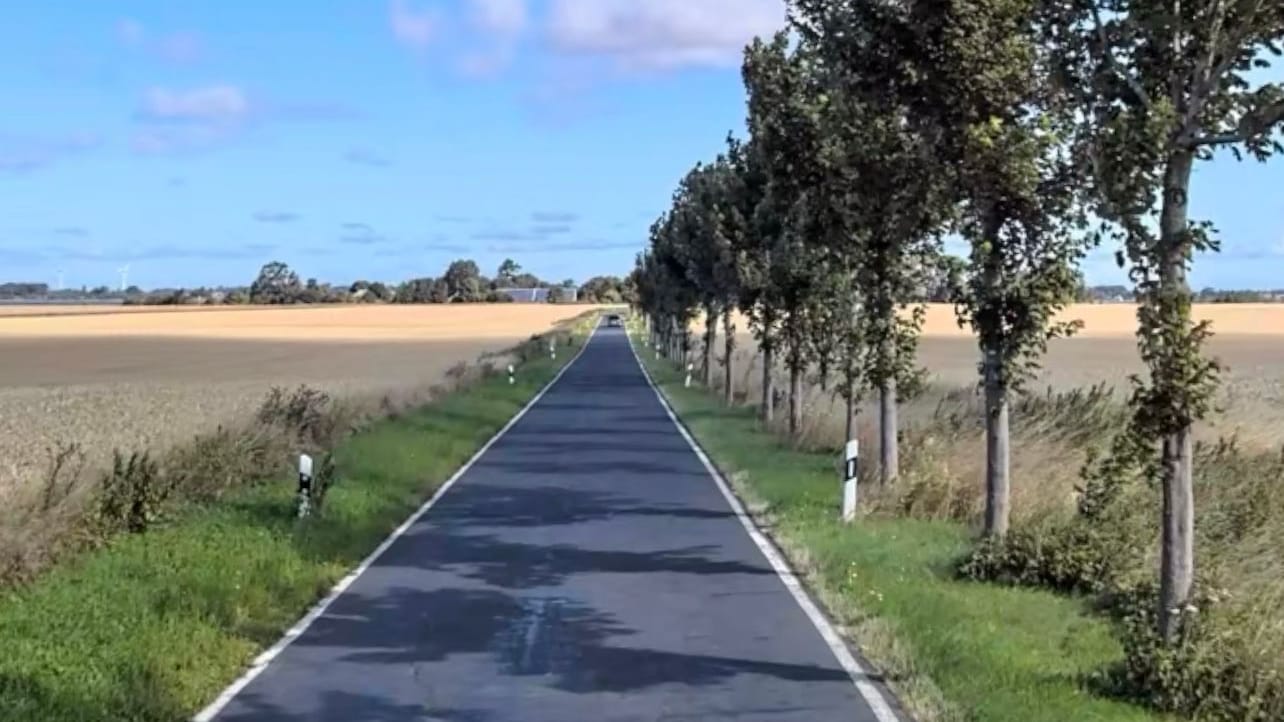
(508, 271)
(463, 282)
(1166, 85)
(976, 78)
(557, 294)
(729, 228)
(695, 223)
(276, 284)
(419, 290)
(603, 289)
(780, 129)
(887, 189)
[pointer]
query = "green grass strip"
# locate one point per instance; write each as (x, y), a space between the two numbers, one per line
(153, 626)
(954, 649)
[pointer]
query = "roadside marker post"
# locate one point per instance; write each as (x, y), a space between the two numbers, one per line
(552, 349)
(851, 454)
(305, 485)
(687, 383)
(511, 378)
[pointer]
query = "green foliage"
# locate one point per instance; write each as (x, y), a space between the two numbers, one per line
(276, 284)
(605, 289)
(1209, 672)
(1161, 86)
(131, 494)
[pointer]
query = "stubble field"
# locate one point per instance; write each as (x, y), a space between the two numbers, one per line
(149, 379)
(1248, 340)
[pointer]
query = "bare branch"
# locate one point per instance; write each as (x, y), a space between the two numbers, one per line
(1206, 74)
(1109, 57)
(1253, 124)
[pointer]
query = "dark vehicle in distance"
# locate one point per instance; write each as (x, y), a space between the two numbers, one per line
(614, 320)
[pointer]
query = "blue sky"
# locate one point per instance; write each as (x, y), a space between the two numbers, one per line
(195, 141)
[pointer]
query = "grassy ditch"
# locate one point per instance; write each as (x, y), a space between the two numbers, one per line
(151, 625)
(953, 649)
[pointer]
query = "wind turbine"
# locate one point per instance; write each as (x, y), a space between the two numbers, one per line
(124, 276)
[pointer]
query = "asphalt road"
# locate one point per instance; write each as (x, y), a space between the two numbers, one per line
(585, 568)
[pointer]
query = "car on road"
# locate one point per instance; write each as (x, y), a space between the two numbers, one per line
(614, 320)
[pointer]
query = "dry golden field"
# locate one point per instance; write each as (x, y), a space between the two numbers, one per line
(1248, 340)
(147, 379)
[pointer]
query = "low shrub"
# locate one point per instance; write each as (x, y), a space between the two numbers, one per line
(131, 494)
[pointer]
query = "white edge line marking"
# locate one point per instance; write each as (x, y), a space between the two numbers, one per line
(262, 661)
(873, 696)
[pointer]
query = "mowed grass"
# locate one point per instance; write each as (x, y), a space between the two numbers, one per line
(153, 626)
(953, 649)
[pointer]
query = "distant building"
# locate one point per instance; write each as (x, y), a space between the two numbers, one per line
(537, 295)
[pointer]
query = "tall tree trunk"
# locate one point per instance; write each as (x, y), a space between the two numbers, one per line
(728, 360)
(710, 336)
(849, 432)
(888, 451)
(795, 396)
(997, 467)
(795, 359)
(1177, 554)
(768, 411)
(998, 482)
(768, 386)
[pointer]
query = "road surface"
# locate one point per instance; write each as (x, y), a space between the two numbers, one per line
(586, 567)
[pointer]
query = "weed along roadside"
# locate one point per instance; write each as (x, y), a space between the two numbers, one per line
(952, 649)
(153, 625)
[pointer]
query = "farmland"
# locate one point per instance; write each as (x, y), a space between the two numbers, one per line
(114, 377)
(1248, 340)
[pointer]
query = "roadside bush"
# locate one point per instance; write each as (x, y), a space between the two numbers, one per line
(227, 458)
(307, 413)
(131, 494)
(1214, 671)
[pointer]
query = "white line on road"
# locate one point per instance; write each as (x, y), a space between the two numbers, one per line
(873, 696)
(262, 661)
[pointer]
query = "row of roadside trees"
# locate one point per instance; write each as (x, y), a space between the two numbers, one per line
(1033, 130)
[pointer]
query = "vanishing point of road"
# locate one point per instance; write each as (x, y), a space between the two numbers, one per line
(587, 566)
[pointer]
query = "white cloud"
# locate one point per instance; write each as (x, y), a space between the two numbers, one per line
(209, 104)
(662, 34)
(501, 17)
(412, 28)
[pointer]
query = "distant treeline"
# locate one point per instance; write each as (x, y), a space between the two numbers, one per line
(462, 282)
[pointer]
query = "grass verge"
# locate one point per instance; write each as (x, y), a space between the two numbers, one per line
(951, 649)
(154, 625)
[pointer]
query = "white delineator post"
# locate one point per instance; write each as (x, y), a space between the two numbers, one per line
(305, 485)
(511, 377)
(851, 454)
(687, 383)
(552, 350)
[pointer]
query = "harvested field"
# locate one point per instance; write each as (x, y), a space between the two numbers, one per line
(139, 380)
(1248, 340)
